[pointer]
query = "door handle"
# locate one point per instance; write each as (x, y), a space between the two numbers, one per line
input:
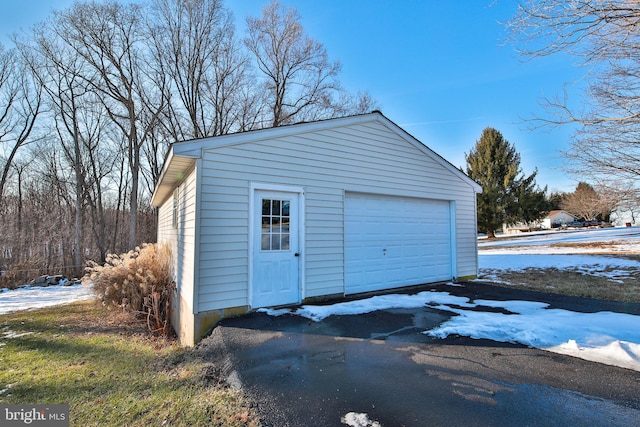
(296, 254)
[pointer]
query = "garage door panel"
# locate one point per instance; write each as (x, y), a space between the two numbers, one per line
(394, 242)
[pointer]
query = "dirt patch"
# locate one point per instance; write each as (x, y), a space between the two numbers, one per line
(574, 283)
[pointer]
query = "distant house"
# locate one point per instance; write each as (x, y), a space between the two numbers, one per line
(521, 227)
(557, 218)
(309, 211)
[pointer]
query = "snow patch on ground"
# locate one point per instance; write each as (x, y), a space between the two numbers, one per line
(605, 337)
(39, 297)
(6, 390)
(379, 302)
(594, 252)
(11, 335)
(610, 267)
(593, 241)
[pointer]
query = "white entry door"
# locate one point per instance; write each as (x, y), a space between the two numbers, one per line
(276, 261)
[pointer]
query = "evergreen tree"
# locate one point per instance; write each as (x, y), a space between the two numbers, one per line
(527, 202)
(507, 195)
(555, 200)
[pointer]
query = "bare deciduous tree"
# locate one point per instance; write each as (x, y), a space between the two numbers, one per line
(58, 70)
(194, 43)
(605, 36)
(109, 37)
(627, 201)
(298, 73)
(20, 104)
(588, 203)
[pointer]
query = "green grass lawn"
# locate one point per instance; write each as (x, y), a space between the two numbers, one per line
(110, 371)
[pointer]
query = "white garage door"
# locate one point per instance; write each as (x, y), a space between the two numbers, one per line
(392, 242)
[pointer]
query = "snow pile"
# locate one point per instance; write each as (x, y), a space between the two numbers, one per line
(30, 297)
(606, 337)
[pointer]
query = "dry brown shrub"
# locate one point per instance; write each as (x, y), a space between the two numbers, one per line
(139, 281)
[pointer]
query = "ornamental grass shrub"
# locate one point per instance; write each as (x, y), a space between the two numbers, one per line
(139, 281)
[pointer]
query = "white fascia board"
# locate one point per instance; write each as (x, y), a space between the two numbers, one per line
(173, 172)
(271, 133)
(155, 195)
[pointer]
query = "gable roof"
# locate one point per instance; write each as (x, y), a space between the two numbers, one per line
(182, 156)
(558, 211)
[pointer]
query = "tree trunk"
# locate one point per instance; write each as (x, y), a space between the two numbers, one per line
(77, 253)
(134, 162)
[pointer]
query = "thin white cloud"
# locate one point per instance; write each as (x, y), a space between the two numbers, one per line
(440, 122)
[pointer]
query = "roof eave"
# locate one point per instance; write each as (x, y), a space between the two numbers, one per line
(173, 173)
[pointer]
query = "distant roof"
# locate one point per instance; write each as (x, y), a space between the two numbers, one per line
(558, 211)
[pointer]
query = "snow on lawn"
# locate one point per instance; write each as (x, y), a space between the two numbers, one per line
(30, 297)
(614, 240)
(596, 252)
(611, 267)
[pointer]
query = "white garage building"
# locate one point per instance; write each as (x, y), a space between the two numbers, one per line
(307, 212)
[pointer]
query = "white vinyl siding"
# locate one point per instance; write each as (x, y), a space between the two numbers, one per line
(365, 157)
(181, 234)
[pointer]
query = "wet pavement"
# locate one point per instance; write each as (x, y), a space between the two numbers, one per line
(304, 373)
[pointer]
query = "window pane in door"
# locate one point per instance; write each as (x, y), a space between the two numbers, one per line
(284, 245)
(275, 242)
(275, 224)
(265, 244)
(275, 220)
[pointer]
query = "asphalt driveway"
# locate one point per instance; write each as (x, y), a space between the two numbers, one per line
(381, 366)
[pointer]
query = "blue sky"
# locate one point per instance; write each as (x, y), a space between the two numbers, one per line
(442, 70)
